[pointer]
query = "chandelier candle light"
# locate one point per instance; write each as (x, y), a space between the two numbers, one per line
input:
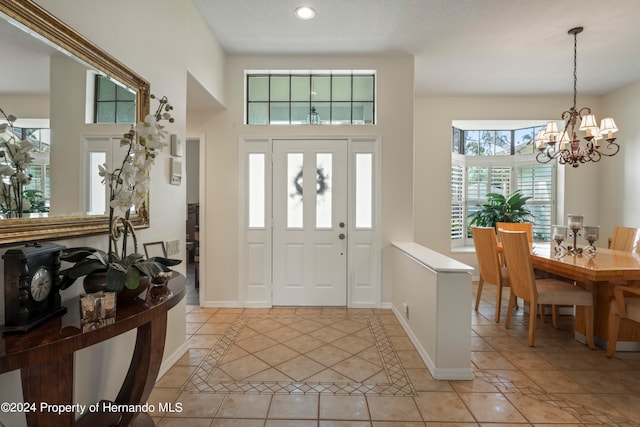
(565, 146)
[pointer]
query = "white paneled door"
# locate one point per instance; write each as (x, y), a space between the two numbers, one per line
(310, 222)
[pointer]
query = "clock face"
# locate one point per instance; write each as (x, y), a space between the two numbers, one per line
(41, 284)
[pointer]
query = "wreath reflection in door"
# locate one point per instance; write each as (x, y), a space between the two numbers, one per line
(322, 179)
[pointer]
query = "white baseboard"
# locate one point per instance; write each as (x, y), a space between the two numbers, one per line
(386, 306)
(172, 359)
(221, 304)
(436, 373)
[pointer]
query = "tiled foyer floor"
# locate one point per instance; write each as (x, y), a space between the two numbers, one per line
(327, 367)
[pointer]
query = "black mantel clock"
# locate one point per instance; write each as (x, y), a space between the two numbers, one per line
(31, 286)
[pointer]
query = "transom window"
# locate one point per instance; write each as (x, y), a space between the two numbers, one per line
(498, 161)
(291, 98)
(113, 103)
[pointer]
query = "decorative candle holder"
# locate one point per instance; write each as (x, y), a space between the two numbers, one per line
(559, 233)
(575, 224)
(591, 234)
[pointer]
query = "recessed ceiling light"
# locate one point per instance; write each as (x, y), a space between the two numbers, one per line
(305, 12)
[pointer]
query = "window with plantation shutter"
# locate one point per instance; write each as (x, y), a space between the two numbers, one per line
(458, 218)
(499, 161)
(537, 183)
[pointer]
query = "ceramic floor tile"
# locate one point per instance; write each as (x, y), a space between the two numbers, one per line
(490, 360)
(197, 405)
(333, 423)
(181, 422)
(442, 406)
(175, 377)
(626, 404)
(541, 412)
(329, 355)
(385, 408)
(277, 354)
(384, 383)
(304, 343)
(553, 381)
(343, 408)
(256, 343)
(245, 406)
(291, 423)
(352, 344)
(193, 357)
(225, 422)
(294, 406)
(164, 396)
(598, 381)
(300, 367)
(244, 367)
(491, 408)
(357, 369)
(283, 334)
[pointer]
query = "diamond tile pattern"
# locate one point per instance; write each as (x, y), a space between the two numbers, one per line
(303, 353)
(326, 367)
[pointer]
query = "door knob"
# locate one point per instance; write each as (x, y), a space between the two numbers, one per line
(342, 236)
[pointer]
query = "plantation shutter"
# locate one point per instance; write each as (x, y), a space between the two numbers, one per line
(458, 220)
(537, 183)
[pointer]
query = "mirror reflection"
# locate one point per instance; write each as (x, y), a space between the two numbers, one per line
(27, 146)
(73, 102)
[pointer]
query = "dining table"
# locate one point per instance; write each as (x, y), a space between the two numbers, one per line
(598, 273)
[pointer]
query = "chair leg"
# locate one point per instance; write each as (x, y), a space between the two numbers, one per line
(507, 321)
(480, 284)
(614, 326)
(532, 326)
(554, 315)
(588, 324)
(498, 301)
(541, 310)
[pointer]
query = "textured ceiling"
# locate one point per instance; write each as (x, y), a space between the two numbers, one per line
(461, 47)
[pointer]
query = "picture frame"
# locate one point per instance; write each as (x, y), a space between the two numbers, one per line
(155, 249)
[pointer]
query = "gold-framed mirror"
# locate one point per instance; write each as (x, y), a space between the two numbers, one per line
(31, 17)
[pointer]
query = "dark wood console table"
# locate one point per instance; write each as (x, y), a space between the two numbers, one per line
(45, 359)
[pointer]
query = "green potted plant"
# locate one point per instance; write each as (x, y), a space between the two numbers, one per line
(500, 208)
(118, 272)
(128, 186)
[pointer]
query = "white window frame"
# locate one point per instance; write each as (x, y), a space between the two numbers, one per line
(514, 162)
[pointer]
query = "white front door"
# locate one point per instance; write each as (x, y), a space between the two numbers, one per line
(309, 222)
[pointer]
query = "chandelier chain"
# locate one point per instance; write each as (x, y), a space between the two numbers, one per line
(575, 68)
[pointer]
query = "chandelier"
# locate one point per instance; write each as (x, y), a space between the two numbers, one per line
(565, 146)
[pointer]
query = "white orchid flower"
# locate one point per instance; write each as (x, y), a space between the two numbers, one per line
(6, 170)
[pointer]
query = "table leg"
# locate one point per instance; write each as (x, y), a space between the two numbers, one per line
(49, 382)
(144, 366)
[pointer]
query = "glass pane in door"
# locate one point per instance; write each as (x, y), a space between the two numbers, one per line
(295, 211)
(324, 165)
(256, 190)
(364, 190)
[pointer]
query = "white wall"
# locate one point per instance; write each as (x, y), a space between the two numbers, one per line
(432, 159)
(620, 175)
(149, 36)
(223, 128)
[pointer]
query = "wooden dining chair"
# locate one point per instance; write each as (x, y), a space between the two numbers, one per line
(625, 239)
(622, 308)
(491, 270)
(518, 226)
(539, 291)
